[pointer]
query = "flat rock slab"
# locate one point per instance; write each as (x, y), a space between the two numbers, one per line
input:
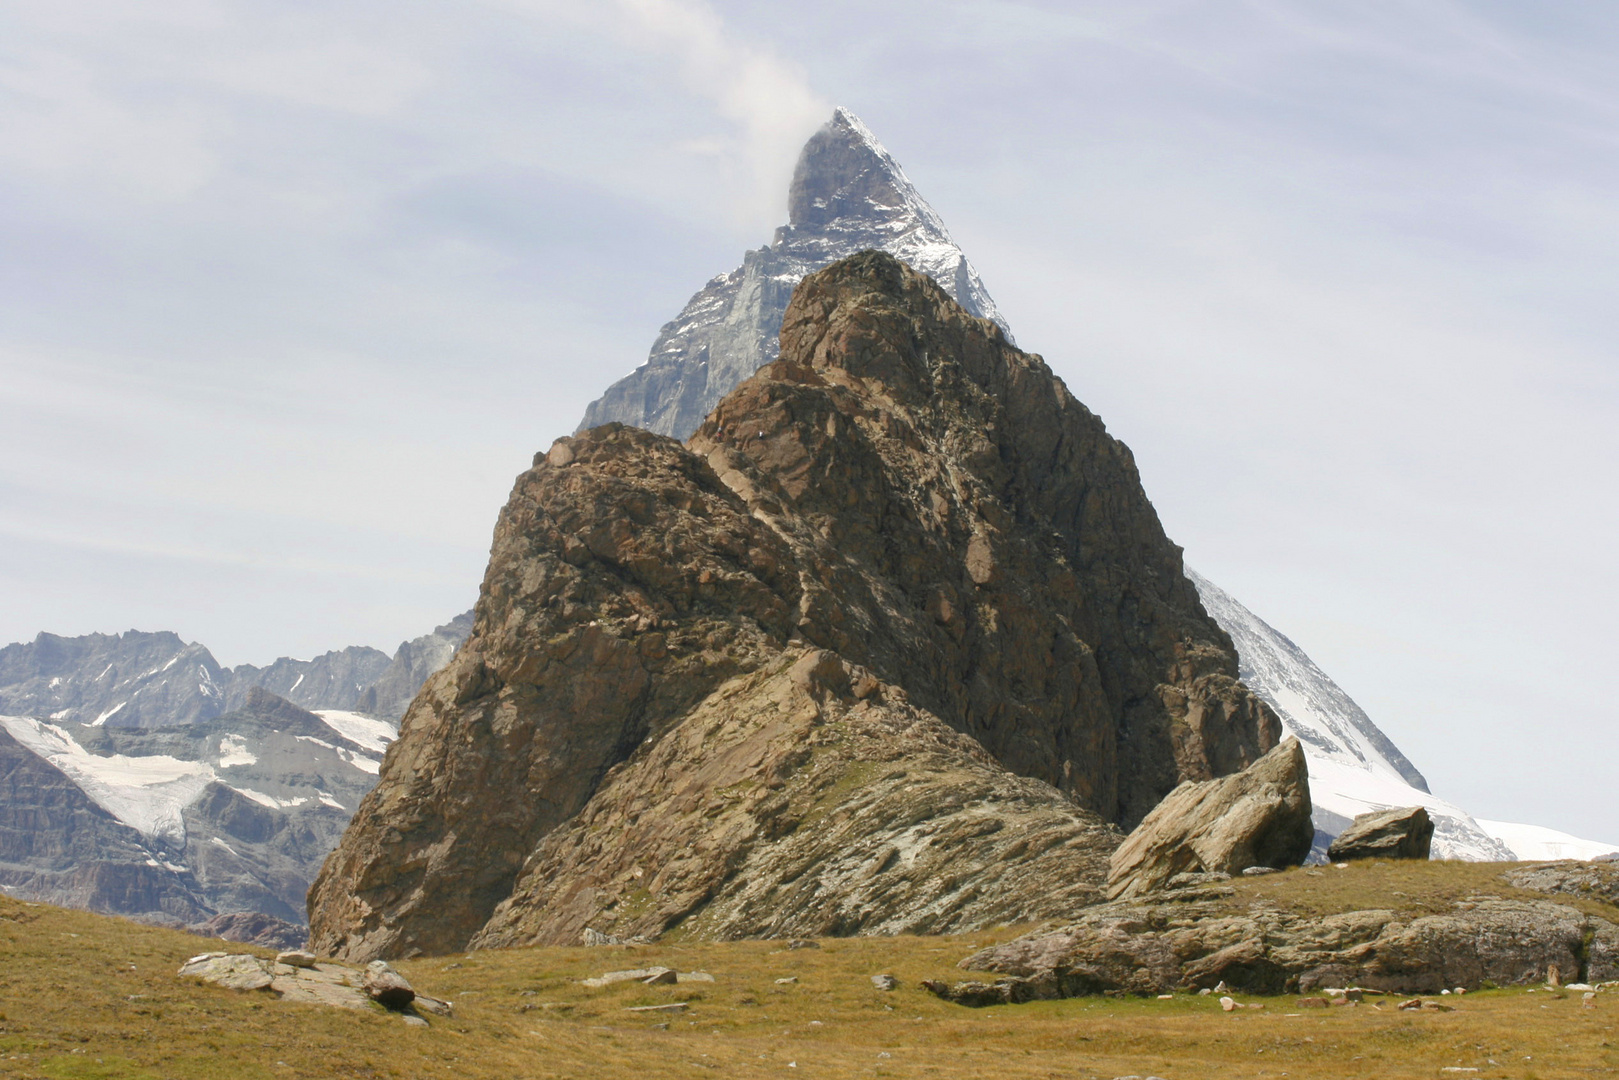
(678, 1006)
(654, 976)
(320, 983)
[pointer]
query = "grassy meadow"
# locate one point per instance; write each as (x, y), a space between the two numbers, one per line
(89, 996)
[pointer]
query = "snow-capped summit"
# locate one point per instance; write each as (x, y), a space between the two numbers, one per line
(848, 195)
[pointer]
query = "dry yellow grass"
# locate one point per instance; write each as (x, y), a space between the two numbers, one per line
(88, 996)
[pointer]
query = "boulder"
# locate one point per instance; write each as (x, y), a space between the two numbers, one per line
(296, 958)
(1398, 833)
(238, 972)
(386, 986)
(1259, 817)
(885, 982)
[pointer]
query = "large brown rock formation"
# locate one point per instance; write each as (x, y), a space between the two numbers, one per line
(905, 497)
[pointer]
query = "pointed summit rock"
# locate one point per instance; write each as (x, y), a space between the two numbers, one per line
(848, 195)
(884, 647)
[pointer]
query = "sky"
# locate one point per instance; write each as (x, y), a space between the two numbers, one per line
(291, 292)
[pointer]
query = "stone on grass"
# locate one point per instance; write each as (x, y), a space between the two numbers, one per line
(1400, 833)
(1257, 817)
(885, 982)
(653, 976)
(240, 972)
(386, 986)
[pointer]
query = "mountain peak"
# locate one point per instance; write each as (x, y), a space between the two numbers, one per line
(848, 195)
(844, 174)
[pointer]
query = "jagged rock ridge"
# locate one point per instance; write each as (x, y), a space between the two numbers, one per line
(848, 195)
(904, 493)
(138, 679)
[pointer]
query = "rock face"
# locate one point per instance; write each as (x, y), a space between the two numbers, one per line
(848, 195)
(849, 814)
(1258, 817)
(904, 502)
(1154, 949)
(1400, 833)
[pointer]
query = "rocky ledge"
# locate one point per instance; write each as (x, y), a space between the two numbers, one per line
(1197, 935)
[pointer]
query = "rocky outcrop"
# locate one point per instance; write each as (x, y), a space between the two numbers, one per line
(848, 195)
(1569, 877)
(1398, 833)
(904, 489)
(1257, 817)
(1156, 949)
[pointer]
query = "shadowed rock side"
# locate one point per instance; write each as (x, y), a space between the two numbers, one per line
(905, 489)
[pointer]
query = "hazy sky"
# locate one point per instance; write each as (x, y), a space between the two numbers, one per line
(290, 292)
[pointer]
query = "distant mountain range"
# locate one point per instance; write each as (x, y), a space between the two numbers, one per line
(138, 777)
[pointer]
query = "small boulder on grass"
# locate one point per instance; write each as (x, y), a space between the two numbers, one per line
(386, 986)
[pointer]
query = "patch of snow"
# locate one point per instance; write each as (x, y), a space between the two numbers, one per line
(109, 714)
(269, 800)
(103, 674)
(55, 682)
(360, 761)
(298, 683)
(233, 751)
(171, 663)
(317, 742)
(360, 730)
(146, 793)
(1535, 843)
(326, 798)
(221, 843)
(60, 713)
